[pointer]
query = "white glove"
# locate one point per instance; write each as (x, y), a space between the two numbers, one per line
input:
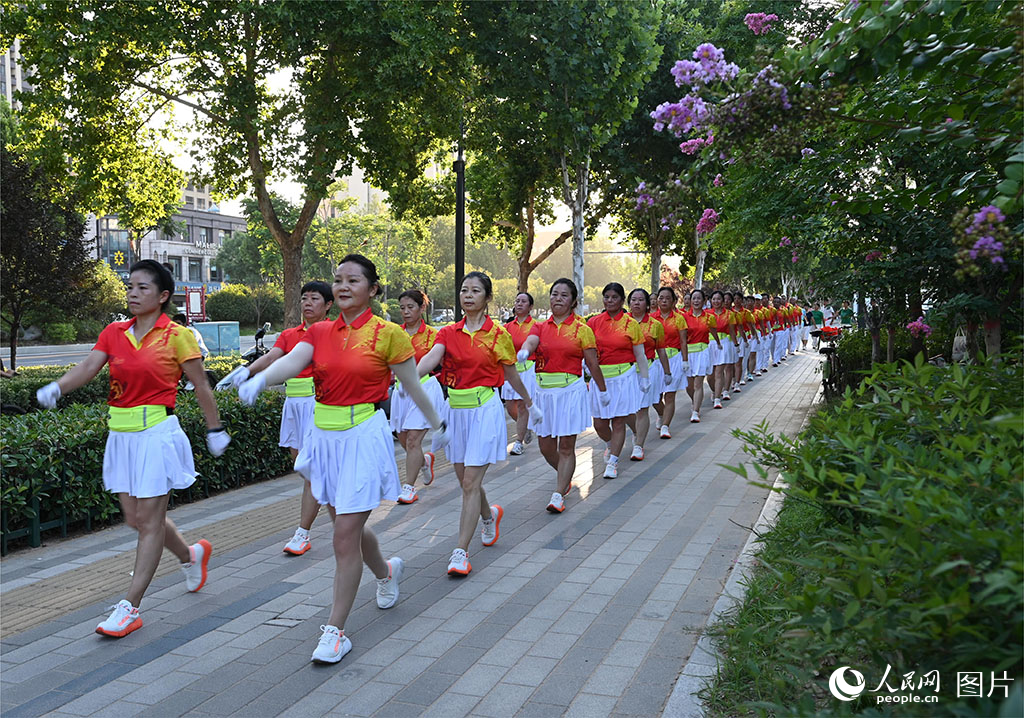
(234, 378)
(440, 438)
(668, 381)
(48, 395)
(217, 441)
(645, 384)
(536, 415)
(604, 398)
(252, 388)
(522, 355)
(686, 367)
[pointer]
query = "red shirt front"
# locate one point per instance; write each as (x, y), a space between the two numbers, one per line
(519, 330)
(288, 339)
(561, 345)
(722, 321)
(146, 371)
(672, 323)
(654, 335)
(474, 359)
(422, 339)
(352, 362)
(698, 328)
(616, 337)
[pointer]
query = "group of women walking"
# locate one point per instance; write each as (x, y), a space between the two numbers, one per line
(452, 380)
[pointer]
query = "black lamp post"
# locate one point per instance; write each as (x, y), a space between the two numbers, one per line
(460, 220)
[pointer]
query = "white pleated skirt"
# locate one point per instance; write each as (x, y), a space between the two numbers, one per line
(675, 363)
(406, 416)
(721, 355)
(352, 470)
(700, 363)
(624, 392)
(148, 463)
(752, 345)
(478, 436)
(566, 410)
(296, 418)
(657, 377)
(741, 353)
(529, 378)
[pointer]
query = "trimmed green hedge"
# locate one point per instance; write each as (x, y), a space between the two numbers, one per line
(57, 457)
(916, 558)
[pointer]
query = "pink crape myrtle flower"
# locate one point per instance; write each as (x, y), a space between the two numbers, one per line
(708, 221)
(759, 23)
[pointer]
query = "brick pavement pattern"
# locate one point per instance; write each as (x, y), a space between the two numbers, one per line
(593, 612)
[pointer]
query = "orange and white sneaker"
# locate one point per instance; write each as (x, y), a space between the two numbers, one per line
(428, 468)
(489, 529)
(458, 564)
(694, 418)
(195, 570)
(409, 495)
(557, 503)
(387, 587)
(638, 454)
(717, 404)
(664, 433)
(299, 543)
(332, 647)
(122, 621)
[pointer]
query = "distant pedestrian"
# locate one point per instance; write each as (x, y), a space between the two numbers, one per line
(519, 328)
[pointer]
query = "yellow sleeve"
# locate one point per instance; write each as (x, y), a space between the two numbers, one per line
(184, 342)
(504, 348)
(397, 345)
(636, 334)
(586, 338)
(658, 332)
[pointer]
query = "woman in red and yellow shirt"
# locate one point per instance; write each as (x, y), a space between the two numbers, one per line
(562, 344)
(723, 354)
(675, 346)
(476, 356)
(620, 352)
(348, 455)
(297, 413)
(407, 421)
(742, 338)
(700, 329)
(519, 328)
(654, 346)
(147, 454)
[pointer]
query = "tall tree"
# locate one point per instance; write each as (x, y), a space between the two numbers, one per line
(276, 90)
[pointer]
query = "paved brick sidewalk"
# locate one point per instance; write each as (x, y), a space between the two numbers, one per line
(588, 613)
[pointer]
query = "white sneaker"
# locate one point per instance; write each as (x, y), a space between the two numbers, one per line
(428, 468)
(529, 436)
(332, 647)
(299, 543)
(489, 529)
(717, 404)
(122, 621)
(664, 433)
(638, 454)
(195, 570)
(694, 418)
(458, 564)
(725, 395)
(409, 495)
(387, 588)
(517, 448)
(743, 382)
(611, 471)
(557, 503)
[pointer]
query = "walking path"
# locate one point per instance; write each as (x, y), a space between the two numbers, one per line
(592, 612)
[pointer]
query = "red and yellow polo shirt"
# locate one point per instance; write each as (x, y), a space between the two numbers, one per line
(520, 330)
(422, 339)
(561, 345)
(288, 340)
(616, 336)
(351, 362)
(698, 329)
(654, 335)
(474, 359)
(672, 324)
(146, 371)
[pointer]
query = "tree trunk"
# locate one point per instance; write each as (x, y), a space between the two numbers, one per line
(890, 347)
(698, 271)
(875, 327)
(862, 311)
(576, 198)
(292, 255)
(972, 342)
(993, 335)
(655, 262)
(15, 328)
(916, 310)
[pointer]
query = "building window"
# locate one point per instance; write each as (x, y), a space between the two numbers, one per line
(189, 201)
(175, 263)
(201, 203)
(195, 269)
(113, 245)
(214, 273)
(202, 235)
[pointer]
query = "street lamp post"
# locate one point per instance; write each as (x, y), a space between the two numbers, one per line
(460, 220)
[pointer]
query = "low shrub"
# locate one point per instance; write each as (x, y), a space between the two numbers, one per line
(914, 558)
(60, 332)
(57, 457)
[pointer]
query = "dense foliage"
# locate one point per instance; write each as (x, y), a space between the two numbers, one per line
(913, 552)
